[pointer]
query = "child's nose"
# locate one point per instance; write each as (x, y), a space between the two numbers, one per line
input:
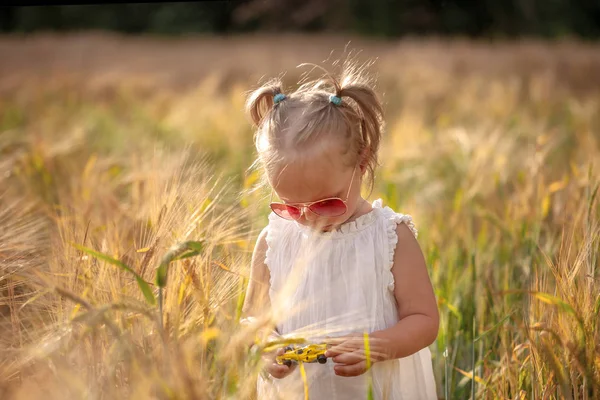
(309, 215)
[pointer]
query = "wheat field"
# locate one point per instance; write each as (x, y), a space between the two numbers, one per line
(129, 209)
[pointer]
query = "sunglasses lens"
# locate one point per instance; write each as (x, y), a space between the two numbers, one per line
(329, 208)
(285, 211)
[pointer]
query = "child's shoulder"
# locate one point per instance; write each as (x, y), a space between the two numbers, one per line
(396, 221)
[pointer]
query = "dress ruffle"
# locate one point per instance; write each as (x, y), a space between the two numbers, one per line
(393, 220)
(346, 229)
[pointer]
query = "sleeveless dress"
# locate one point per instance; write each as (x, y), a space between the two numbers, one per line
(327, 284)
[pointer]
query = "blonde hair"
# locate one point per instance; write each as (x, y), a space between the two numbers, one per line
(307, 118)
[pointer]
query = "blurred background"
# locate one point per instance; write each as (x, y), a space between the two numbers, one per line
(123, 134)
(381, 18)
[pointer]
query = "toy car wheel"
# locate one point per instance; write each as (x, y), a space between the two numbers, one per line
(321, 359)
(287, 362)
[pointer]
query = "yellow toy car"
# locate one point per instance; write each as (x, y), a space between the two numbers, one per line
(305, 354)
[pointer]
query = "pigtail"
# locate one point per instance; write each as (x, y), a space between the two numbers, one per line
(370, 111)
(260, 102)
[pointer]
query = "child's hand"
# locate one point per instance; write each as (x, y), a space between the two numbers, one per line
(348, 353)
(276, 370)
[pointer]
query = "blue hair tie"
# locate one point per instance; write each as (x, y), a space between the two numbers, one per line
(278, 98)
(335, 100)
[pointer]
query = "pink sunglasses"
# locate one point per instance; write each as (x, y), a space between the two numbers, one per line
(329, 207)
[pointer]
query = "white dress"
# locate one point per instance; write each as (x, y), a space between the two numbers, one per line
(335, 283)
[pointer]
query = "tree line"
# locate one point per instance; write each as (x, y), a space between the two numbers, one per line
(384, 18)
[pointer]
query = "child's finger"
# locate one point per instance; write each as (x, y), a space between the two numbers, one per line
(279, 371)
(345, 347)
(333, 352)
(351, 370)
(374, 355)
(349, 358)
(276, 370)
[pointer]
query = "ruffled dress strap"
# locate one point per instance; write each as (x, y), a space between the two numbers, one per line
(282, 242)
(392, 220)
(274, 231)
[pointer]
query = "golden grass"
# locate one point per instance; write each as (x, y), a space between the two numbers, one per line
(129, 146)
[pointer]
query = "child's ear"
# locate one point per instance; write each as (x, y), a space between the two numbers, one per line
(364, 160)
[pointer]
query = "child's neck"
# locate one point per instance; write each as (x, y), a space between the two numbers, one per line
(363, 208)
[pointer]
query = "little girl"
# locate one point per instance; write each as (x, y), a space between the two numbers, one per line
(330, 265)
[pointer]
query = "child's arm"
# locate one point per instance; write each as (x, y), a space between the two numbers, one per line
(417, 306)
(417, 311)
(257, 300)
